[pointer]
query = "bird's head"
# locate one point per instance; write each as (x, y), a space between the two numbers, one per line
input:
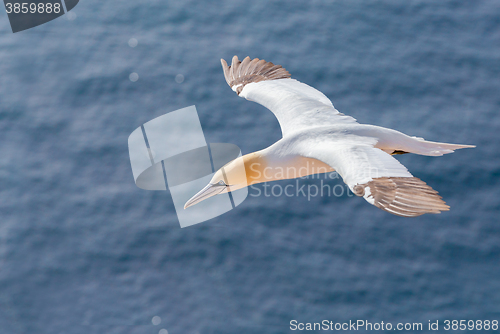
(230, 177)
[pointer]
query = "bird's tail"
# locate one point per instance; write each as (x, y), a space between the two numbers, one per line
(431, 148)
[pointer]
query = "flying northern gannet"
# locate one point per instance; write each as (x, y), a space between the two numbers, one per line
(317, 138)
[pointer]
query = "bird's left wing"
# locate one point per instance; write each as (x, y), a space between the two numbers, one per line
(377, 176)
(296, 105)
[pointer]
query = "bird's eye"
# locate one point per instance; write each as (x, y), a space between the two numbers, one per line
(222, 183)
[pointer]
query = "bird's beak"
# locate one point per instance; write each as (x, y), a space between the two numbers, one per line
(209, 191)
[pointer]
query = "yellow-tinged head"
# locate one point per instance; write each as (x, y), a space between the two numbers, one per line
(237, 174)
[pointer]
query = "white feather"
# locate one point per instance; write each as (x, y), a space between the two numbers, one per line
(295, 104)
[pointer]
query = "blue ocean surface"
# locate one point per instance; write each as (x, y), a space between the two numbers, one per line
(84, 250)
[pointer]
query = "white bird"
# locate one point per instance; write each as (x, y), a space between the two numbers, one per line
(317, 139)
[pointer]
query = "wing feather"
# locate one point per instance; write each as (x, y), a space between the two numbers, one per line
(239, 74)
(402, 196)
(295, 104)
(379, 178)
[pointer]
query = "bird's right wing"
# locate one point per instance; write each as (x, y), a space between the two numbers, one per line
(377, 176)
(296, 105)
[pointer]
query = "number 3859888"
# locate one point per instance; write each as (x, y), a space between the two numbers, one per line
(32, 8)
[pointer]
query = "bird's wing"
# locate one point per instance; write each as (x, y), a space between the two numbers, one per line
(377, 176)
(296, 105)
